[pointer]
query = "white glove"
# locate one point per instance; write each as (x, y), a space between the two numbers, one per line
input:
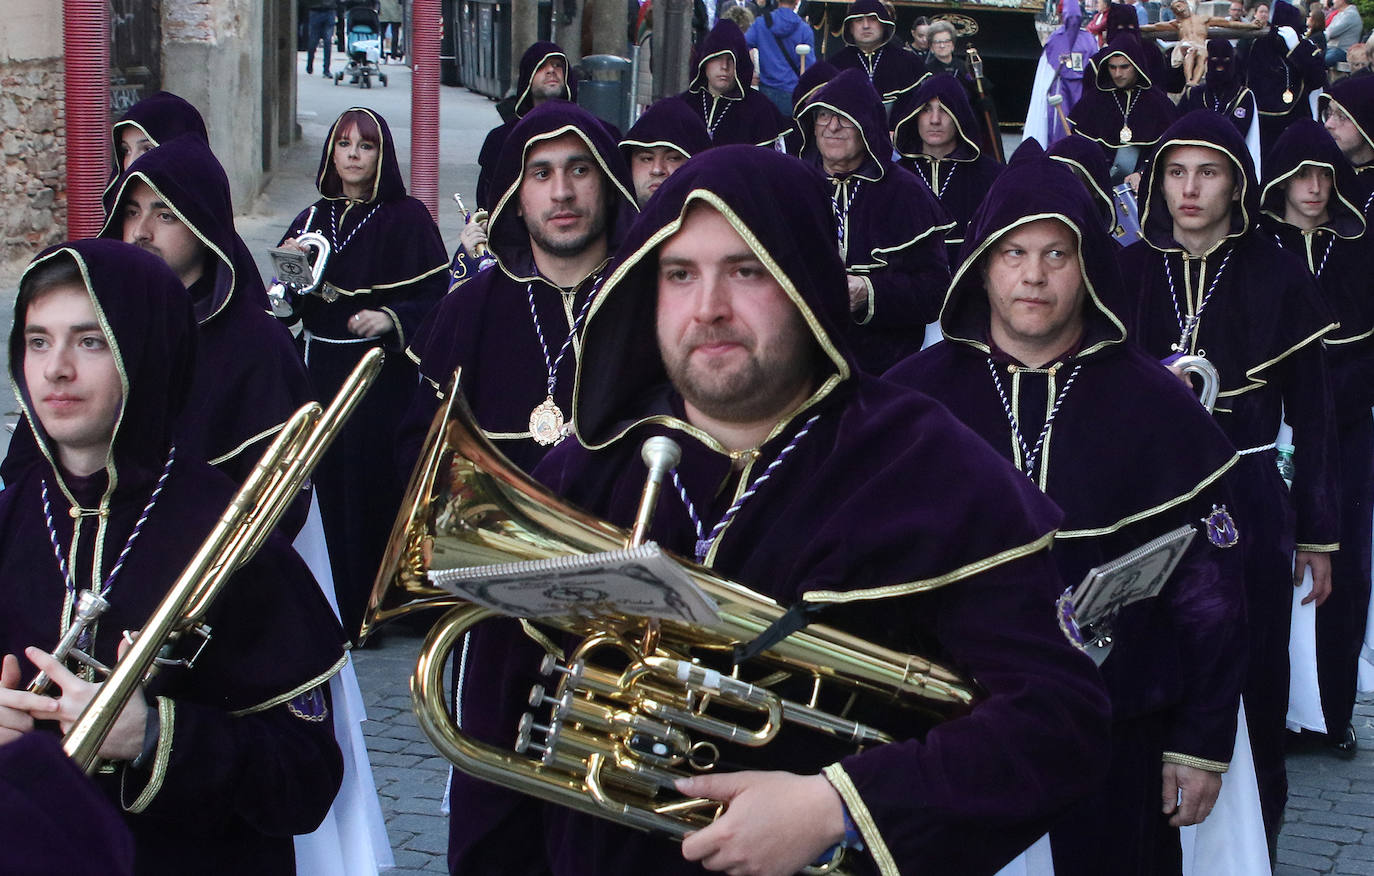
(1290, 37)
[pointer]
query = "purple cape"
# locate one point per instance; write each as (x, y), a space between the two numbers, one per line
(1085, 159)
(1100, 114)
(1174, 659)
(246, 756)
(162, 117)
(1066, 41)
(893, 228)
(960, 179)
(892, 70)
(249, 377)
(495, 141)
(387, 255)
(1223, 91)
(741, 115)
(878, 556)
(485, 326)
(667, 123)
(1261, 328)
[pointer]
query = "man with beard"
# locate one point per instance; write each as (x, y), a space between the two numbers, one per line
(666, 135)
(1036, 361)
(1123, 112)
(721, 92)
(1207, 280)
(890, 229)
(869, 46)
(544, 76)
(720, 327)
(565, 198)
(1348, 112)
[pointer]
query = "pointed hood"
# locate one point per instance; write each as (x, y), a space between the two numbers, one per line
(1121, 18)
(1127, 45)
(620, 368)
(853, 97)
(1066, 39)
(532, 60)
(668, 122)
(508, 239)
(161, 117)
(185, 175)
(816, 75)
(1033, 187)
(388, 184)
(950, 92)
(1306, 142)
(724, 38)
(1211, 130)
(1355, 95)
(862, 8)
(1085, 159)
(146, 315)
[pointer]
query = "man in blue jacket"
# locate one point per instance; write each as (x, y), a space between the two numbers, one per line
(776, 34)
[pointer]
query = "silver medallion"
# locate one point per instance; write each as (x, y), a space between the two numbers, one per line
(1287, 96)
(546, 423)
(1125, 133)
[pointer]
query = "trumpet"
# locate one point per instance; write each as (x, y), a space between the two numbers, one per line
(247, 521)
(634, 703)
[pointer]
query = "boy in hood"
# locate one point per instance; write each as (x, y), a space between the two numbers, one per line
(1124, 112)
(722, 93)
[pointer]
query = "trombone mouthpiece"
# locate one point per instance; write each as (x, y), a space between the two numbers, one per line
(660, 453)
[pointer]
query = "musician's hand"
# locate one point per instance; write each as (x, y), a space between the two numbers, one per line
(1181, 375)
(18, 707)
(125, 741)
(1320, 564)
(370, 323)
(474, 234)
(858, 294)
(291, 243)
(1133, 180)
(1199, 790)
(775, 823)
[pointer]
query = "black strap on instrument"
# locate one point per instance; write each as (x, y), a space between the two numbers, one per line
(799, 615)
(768, 23)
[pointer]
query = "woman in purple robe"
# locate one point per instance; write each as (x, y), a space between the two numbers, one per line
(154, 120)
(925, 539)
(952, 164)
(238, 753)
(387, 270)
(1310, 205)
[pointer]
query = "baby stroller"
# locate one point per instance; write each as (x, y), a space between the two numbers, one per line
(363, 39)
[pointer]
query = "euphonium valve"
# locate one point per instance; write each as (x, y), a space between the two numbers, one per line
(297, 276)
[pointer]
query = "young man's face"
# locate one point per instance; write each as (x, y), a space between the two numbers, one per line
(1122, 71)
(733, 344)
(1035, 288)
(1347, 135)
(942, 46)
(133, 142)
(720, 73)
(71, 377)
(867, 32)
(151, 224)
(1307, 194)
(936, 127)
(548, 80)
(1200, 190)
(562, 196)
(838, 141)
(650, 167)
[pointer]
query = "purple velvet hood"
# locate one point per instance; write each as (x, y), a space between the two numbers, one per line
(816, 75)
(725, 37)
(1355, 95)
(1066, 39)
(1127, 45)
(1035, 186)
(146, 315)
(1085, 159)
(620, 366)
(508, 238)
(531, 61)
(1307, 142)
(950, 92)
(388, 185)
(852, 96)
(861, 8)
(1197, 128)
(186, 176)
(162, 117)
(668, 122)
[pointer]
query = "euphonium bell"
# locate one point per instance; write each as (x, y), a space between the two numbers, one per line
(630, 704)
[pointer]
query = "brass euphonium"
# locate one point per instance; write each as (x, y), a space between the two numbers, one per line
(630, 703)
(250, 517)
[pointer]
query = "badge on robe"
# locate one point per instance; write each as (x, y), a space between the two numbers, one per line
(1221, 529)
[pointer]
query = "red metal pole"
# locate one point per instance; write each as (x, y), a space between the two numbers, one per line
(426, 34)
(86, 40)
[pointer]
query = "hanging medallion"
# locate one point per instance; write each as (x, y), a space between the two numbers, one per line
(1125, 134)
(1287, 96)
(546, 423)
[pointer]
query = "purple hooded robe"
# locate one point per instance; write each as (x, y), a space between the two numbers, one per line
(1273, 72)
(890, 229)
(507, 327)
(1223, 91)
(925, 540)
(161, 117)
(1355, 95)
(741, 115)
(388, 256)
(1105, 110)
(1173, 671)
(1067, 52)
(670, 123)
(245, 757)
(1260, 324)
(892, 70)
(961, 178)
(1336, 253)
(490, 154)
